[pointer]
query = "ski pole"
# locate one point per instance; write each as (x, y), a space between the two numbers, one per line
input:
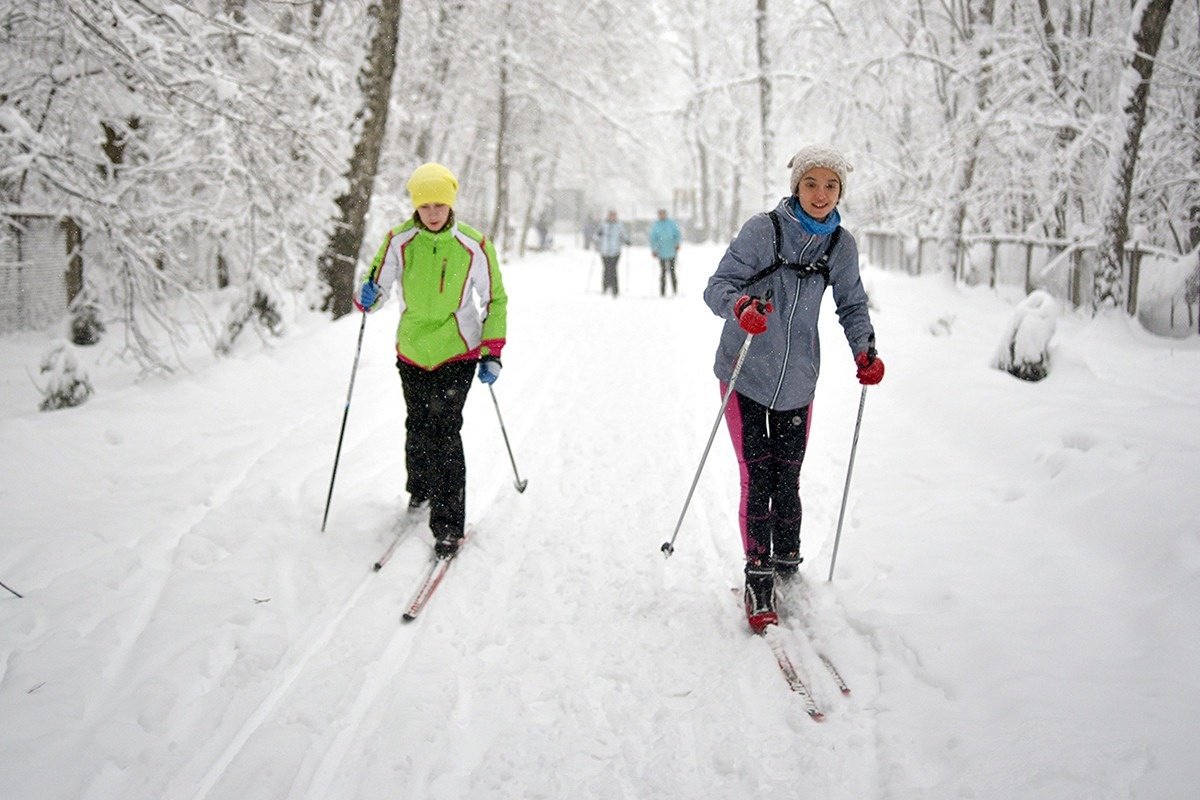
(14, 591)
(520, 484)
(345, 415)
(669, 547)
(846, 491)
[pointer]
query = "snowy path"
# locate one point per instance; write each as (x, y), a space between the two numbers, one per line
(616, 671)
(189, 634)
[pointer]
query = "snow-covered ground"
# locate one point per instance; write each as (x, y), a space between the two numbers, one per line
(1014, 606)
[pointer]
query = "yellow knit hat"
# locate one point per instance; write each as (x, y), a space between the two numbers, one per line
(432, 183)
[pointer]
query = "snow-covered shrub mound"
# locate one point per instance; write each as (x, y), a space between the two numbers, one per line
(259, 304)
(1024, 350)
(1161, 279)
(943, 326)
(86, 325)
(66, 385)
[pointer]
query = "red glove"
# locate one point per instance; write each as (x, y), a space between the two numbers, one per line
(870, 368)
(751, 313)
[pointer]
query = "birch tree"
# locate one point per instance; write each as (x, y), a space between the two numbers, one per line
(499, 212)
(766, 132)
(1147, 22)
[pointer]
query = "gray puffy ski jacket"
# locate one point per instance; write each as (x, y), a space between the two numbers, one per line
(783, 362)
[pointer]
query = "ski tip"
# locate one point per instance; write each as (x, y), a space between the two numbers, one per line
(407, 617)
(521, 486)
(377, 566)
(816, 716)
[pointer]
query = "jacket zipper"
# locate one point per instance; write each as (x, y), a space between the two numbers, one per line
(442, 283)
(787, 348)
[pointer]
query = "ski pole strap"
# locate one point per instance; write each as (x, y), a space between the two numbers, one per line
(818, 267)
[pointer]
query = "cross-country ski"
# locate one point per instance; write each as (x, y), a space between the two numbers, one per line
(439, 566)
(791, 673)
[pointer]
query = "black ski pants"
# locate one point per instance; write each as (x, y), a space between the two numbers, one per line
(609, 279)
(770, 448)
(667, 271)
(433, 450)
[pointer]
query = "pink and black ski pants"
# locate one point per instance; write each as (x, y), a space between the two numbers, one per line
(769, 445)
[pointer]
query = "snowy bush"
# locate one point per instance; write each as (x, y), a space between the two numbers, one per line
(944, 326)
(259, 304)
(86, 325)
(1024, 350)
(1163, 279)
(66, 385)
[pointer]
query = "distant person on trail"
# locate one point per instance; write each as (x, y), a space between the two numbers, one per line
(610, 238)
(664, 243)
(544, 221)
(453, 315)
(768, 286)
(590, 226)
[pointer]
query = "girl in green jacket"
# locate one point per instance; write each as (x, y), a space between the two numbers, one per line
(452, 323)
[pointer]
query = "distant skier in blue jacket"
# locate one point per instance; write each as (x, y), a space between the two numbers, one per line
(610, 237)
(769, 285)
(664, 243)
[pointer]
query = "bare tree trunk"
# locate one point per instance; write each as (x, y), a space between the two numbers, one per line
(956, 213)
(338, 262)
(448, 12)
(1065, 134)
(1194, 209)
(977, 12)
(1149, 20)
(500, 212)
(707, 227)
(764, 98)
(694, 123)
(735, 202)
(540, 182)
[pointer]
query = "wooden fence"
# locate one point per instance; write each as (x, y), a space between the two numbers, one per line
(1162, 288)
(40, 270)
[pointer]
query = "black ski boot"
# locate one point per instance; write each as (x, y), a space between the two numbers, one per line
(760, 596)
(447, 544)
(788, 564)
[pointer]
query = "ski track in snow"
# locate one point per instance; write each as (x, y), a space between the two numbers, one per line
(247, 656)
(307, 677)
(123, 667)
(564, 574)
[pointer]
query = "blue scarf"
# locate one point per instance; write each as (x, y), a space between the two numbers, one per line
(811, 224)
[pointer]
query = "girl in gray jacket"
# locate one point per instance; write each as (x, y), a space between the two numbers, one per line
(768, 287)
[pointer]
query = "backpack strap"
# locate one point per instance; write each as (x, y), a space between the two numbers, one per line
(818, 267)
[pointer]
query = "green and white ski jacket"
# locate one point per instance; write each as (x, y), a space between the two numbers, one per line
(452, 301)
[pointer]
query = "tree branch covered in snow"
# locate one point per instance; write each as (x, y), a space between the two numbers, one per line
(161, 129)
(166, 128)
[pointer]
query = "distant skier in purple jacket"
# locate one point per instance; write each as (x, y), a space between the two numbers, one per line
(769, 285)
